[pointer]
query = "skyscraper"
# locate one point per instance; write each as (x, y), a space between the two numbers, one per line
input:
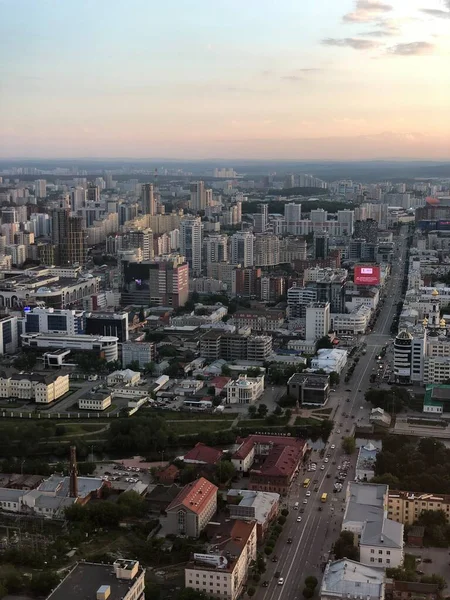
(191, 242)
(40, 188)
(261, 218)
(93, 193)
(292, 216)
(198, 196)
(242, 248)
(321, 245)
(68, 238)
(216, 247)
(148, 199)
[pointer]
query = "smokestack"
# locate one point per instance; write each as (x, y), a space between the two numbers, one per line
(73, 490)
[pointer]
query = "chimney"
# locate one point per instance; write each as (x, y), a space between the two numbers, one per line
(73, 474)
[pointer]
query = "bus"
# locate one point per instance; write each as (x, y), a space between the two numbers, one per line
(323, 498)
(306, 483)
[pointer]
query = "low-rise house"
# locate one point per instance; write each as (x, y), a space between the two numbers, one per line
(188, 387)
(412, 590)
(248, 505)
(365, 463)
(364, 502)
(97, 402)
(329, 360)
(309, 388)
(189, 513)
(343, 579)
(222, 572)
(203, 455)
(126, 376)
(406, 507)
(43, 389)
(168, 475)
(378, 416)
(161, 496)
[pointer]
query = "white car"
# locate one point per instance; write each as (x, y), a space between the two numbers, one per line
(325, 460)
(305, 501)
(308, 494)
(280, 581)
(322, 468)
(333, 446)
(299, 519)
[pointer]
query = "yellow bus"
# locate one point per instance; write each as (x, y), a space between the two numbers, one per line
(324, 498)
(306, 483)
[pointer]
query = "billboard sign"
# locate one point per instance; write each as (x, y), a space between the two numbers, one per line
(367, 275)
(215, 560)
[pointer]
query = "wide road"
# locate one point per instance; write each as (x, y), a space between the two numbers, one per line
(314, 536)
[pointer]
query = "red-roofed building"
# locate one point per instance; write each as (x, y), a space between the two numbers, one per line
(168, 475)
(219, 383)
(203, 455)
(279, 459)
(190, 512)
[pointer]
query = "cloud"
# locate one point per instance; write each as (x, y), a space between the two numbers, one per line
(292, 78)
(411, 49)
(435, 12)
(366, 11)
(355, 43)
(378, 33)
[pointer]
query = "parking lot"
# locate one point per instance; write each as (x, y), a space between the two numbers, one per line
(122, 477)
(439, 561)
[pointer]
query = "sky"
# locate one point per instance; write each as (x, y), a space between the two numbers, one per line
(254, 79)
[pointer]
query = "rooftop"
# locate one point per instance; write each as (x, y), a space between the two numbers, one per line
(194, 496)
(387, 533)
(309, 380)
(261, 502)
(204, 454)
(281, 461)
(85, 579)
(60, 485)
(348, 578)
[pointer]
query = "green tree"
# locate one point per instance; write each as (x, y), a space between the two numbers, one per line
(132, 504)
(334, 378)
(311, 582)
(278, 411)
(268, 550)
(191, 594)
(226, 371)
(285, 512)
(251, 591)
(43, 583)
(434, 578)
(262, 410)
(344, 547)
(252, 411)
(225, 471)
(349, 445)
(307, 593)
(324, 342)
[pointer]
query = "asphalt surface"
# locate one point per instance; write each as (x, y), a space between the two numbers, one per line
(314, 536)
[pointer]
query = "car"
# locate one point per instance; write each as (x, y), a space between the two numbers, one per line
(302, 510)
(338, 431)
(348, 399)
(299, 519)
(427, 560)
(333, 446)
(320, 509)
(339, 467)
(322, 468)
(328, 476)
(308, 494)
(348, 390)
(316, 489)
(277, 574)
(289, 540)
(280, 581)
(325, 460)
(265, 583)
(305, 501)
(275, 558)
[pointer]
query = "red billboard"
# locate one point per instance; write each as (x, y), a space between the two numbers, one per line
(367, 275)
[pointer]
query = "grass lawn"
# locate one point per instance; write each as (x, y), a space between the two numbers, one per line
(323, 411)
(170, 415)
(262, 423)
(410, 562)
(197, 427)
(309, 421)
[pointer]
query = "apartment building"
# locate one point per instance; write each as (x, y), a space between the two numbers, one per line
(259, 320)
(235, 346)
(96, 402)
(318, 320)
(190, 512)
(406, 507)
(223, 572)
(353, 323)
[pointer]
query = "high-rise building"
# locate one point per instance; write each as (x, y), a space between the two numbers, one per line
(68, 237)
(242, 248)
(292, 216)
(216, 248)
(162, 283)
(367, 230)
(321, 245)
(191, 242)
(40, 188)
(198, 196)
(261, 219)
(318, 320)
(142, 239)
(148, 199)
(78, 198)
(107, 323)
(93, 193)
(267, 250)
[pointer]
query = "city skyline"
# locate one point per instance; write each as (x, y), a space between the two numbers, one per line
(349, 80)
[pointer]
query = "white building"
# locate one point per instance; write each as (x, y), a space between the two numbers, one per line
(353, 323)
(101, 344)
(54, 320)
(141, 352)
(242, 248)
(318, 320)
(381, 544)
(292, 217)
(127, 376)
(329, 360)
(245, 390)
(343, 579)
(96, 402)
